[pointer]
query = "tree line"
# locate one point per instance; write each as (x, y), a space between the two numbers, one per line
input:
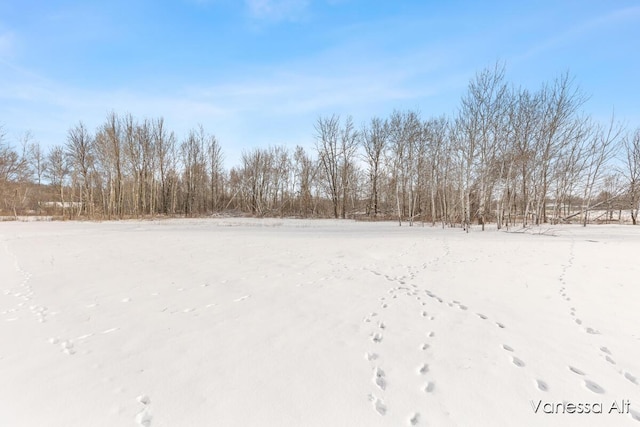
(508, 156)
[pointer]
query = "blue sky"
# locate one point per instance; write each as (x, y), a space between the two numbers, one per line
(260, 72)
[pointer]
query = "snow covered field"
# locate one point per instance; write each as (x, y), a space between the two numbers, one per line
(239, 322)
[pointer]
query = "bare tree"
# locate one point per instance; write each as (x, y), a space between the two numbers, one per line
(559, 105)
(58, 172)
(348, 147)
(600, 150)
(305, 171)
(109, 146)
(193, 154)
(79, 150)
(215, 170)
(164, 144)
(631, 172)
(482, 118)
(374, 140)
(327, 145)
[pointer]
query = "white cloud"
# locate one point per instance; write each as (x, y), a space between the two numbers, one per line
(7, 42)
(577, 32)
(277, 10)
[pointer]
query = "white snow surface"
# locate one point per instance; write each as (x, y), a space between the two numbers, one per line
(249, 322)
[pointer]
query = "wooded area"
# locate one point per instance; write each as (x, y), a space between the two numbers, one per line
(509, 156)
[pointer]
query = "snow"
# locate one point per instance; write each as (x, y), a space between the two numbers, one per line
(248, 322)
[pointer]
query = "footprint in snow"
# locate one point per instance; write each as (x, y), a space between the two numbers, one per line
(241, 298)
(414, 419)
(378, 404)
(507, 347)
(67, 347)
(593, 387)
(429, 387)
(482, 316)
(518, 362)
(542, 385)
(376, 338)
(423, 369)
(576, 370)
(144, 417)
(631, 378)
(370, 356)
(379, 378)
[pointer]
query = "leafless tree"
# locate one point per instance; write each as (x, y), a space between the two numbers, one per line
(305, 172)
(164, 145)
(374, 141)
(348, 147)
(58, 172)
(215, 160)
(631, 172)
(600, 150)
(80, 152)
(329, 155)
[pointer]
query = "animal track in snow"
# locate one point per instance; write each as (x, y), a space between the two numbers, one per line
(482, 316)
(576, 370)
(634, 414)
(506, 347)
(542, 385)
(518, 362)
(499, 325)
(376, 338)
(423, 369)
(370, 356)
(378, 404)
(241, 298)
(424, 346)
(379, 378)
(592, 331)
(414, 419)
(631, 378)
(593, 387)
(429, 387)
(143, 418)
(67, 347)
